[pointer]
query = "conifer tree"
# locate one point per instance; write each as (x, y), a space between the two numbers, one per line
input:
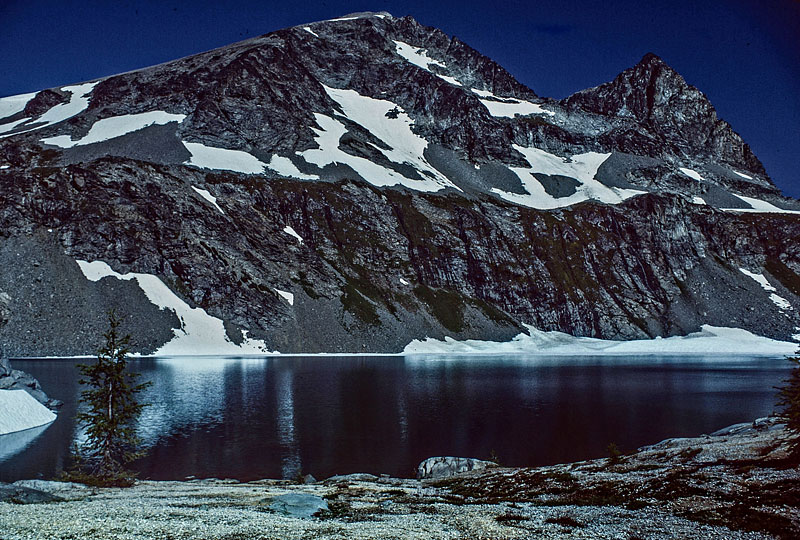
(112, 410)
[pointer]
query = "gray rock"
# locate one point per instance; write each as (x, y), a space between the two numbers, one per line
(5, 310)
(50, 486)
(302, 505)
(354, 477)
(25, 495)
(309, 479)
(445, 466)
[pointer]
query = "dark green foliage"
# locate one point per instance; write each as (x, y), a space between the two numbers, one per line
(357, 304)
(789, 403)
(785, 275)
(446, 306)
(112, 410)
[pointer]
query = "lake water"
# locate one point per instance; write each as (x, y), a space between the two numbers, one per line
(276, 417)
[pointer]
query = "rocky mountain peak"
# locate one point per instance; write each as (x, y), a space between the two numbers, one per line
(655, 95)
(647, 92)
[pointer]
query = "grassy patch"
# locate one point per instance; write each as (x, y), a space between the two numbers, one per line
(357, 304)
(446, 306)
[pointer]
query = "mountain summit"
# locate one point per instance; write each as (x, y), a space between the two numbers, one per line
(353, 184)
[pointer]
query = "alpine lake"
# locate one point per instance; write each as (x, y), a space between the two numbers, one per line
(282, 416)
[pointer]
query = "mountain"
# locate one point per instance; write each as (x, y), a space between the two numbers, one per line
(353, 184)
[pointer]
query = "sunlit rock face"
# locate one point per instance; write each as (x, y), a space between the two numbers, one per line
(355, 184)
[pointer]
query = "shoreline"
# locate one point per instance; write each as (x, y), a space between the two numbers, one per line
(733, 483)
(708, 341)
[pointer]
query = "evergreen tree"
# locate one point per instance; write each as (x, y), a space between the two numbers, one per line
(789, 402)
(111, 415)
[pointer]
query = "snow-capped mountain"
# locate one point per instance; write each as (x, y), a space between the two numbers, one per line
(353, 184)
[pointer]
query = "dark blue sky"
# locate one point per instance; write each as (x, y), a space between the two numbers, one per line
(745, 55)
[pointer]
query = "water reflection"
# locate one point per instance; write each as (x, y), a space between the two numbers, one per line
(277, 417)
(14, 443)
(290, 455)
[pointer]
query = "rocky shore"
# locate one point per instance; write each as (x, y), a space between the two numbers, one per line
(735, 483)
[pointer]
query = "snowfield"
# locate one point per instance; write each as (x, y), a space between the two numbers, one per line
(389, 123)
(199, 334)
(757, 205)
(209, 157)
(20, 411)
(710, 340)
(78, 102)
(116, 126)
(11, 105)
(581, 167)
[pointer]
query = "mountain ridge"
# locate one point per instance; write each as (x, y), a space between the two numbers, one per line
(354, 184)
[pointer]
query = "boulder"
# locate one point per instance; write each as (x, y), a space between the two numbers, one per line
(25, 495)
(445, 466)
(354, 477)
(5, 308)
(302, 505)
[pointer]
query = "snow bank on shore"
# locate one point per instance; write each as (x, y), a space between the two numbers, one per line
(21, 411)
(199, 334)
(714, 340)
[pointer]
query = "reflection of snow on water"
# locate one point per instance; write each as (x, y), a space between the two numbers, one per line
(14, 443)
(186, 392)
(402, 413)
(290, 460)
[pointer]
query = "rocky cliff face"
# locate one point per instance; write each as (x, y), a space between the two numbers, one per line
(351, 185)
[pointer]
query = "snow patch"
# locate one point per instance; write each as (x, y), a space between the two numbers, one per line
(11, 125)
(742, 175)
(405, 147)
(419, 57)
(289, 297)
(11, 105)
(283, 165)
(692, 174)
(116, 126)
(199, 334)
(757, 205)
(403, 282)
(698, 200)
(711, 340)
(4, 167)
(760, 279)
(509, 108)
(209, 157)
(779, 301)
(291, 232)
(78, 102)
(209, 197)
(483, 93)
(21, 411)
(310, 31)
(503, 107)
(582, 167)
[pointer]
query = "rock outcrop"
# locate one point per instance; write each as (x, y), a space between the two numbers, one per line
(446, 466)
